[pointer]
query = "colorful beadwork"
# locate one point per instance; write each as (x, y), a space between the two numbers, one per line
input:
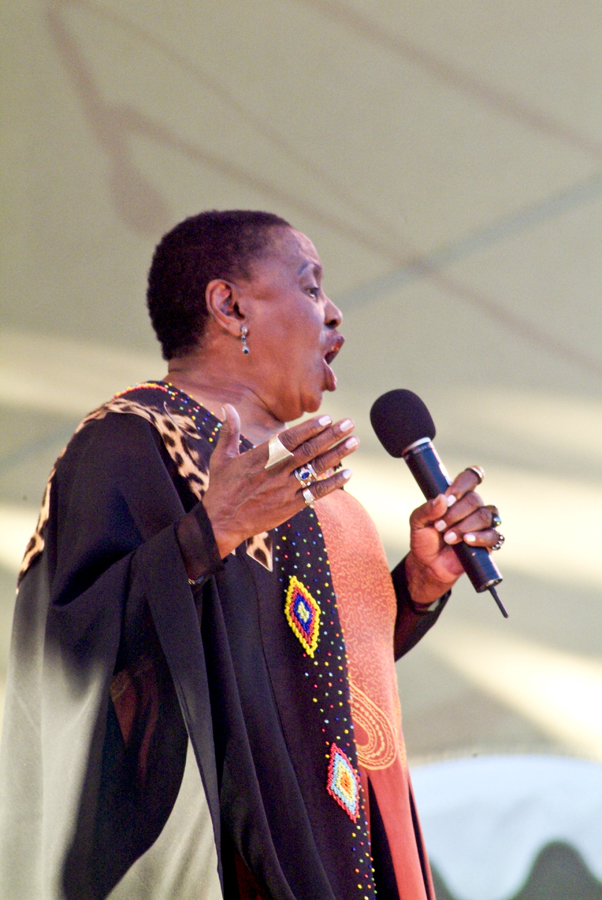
(303, 615)
(343, 782)
(207, 424)
(299, 551)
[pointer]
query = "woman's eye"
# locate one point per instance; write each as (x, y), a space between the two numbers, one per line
(313, 291)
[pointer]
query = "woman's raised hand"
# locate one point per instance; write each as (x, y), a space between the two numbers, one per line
(244, 498)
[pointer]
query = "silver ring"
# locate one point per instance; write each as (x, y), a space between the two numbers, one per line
(479, 472)
(308, 497)
(277, 452)
(499, 542)
(306, 474)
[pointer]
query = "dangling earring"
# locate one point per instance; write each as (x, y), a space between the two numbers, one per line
(243, 336)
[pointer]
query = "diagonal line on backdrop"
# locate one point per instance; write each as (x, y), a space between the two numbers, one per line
(517, 325)
(516, 223)
(494, 310)
(112, 124)
(263, 128)
(431, 266)
(502, 101)
(522, 220)
(143, 208)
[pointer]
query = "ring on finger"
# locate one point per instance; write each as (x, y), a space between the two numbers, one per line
(308, 497)
(496, 520)
(306, 474)
(499, 542)
(479, 472)
(277, 452)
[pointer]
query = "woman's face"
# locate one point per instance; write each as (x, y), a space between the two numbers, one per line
(292, 328)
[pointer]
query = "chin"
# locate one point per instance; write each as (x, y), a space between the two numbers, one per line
(312, 403)
(308, 400)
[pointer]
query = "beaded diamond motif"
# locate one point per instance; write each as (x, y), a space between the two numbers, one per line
(299, 550)
(303, 615)
(343, 782)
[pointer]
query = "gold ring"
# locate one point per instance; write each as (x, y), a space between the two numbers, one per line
(479, 472)
(277, 452)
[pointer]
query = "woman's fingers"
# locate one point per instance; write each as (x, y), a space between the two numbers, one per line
(229, 436)
(466, 514)
(425, 516)
(292, 438)
(228, 441)
(319, 489)
(245, 498)
(475, 525)
(310, 439)
(333, 457)
(470, 505)
(466, 481)
(467, 519)
(489, 538)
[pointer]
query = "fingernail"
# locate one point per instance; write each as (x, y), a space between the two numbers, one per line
(346, 425)
(350, 443)
(470, 538)
(347, 473)
(223, 412)
(440, 525)
(324, 421)
(450, 537)
(450, 500)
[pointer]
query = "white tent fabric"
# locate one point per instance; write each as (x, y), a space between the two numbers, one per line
(486, 819)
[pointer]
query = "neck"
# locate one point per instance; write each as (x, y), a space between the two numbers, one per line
(212, 385)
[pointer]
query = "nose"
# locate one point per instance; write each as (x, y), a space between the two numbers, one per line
(334, 316)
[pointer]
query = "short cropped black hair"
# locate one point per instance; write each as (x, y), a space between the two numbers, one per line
(210, 245)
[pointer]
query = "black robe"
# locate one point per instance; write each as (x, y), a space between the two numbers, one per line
(117, 663)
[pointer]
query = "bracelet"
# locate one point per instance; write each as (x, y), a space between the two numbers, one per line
(425, 610)
(194, 581)
(432, 607)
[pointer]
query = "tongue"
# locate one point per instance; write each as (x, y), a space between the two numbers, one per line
(331, 378)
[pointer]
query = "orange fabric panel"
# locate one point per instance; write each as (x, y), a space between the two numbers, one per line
(367, 608)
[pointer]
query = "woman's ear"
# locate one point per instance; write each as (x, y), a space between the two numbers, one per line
(222, 305)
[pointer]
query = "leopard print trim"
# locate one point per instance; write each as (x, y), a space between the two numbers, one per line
(260, 547)
(181, 440)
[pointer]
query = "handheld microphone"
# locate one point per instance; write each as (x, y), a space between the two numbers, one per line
(405, 428)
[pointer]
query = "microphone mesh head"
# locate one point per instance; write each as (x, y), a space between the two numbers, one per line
(399, 418)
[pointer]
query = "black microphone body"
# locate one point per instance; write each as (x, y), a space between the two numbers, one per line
(428, 470)
(405, 428)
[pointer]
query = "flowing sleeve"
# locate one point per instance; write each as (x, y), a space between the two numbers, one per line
(94, 742)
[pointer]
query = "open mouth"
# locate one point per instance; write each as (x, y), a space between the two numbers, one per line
(331, 380)
(328, 357)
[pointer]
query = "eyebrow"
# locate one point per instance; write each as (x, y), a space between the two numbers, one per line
(316, 269)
